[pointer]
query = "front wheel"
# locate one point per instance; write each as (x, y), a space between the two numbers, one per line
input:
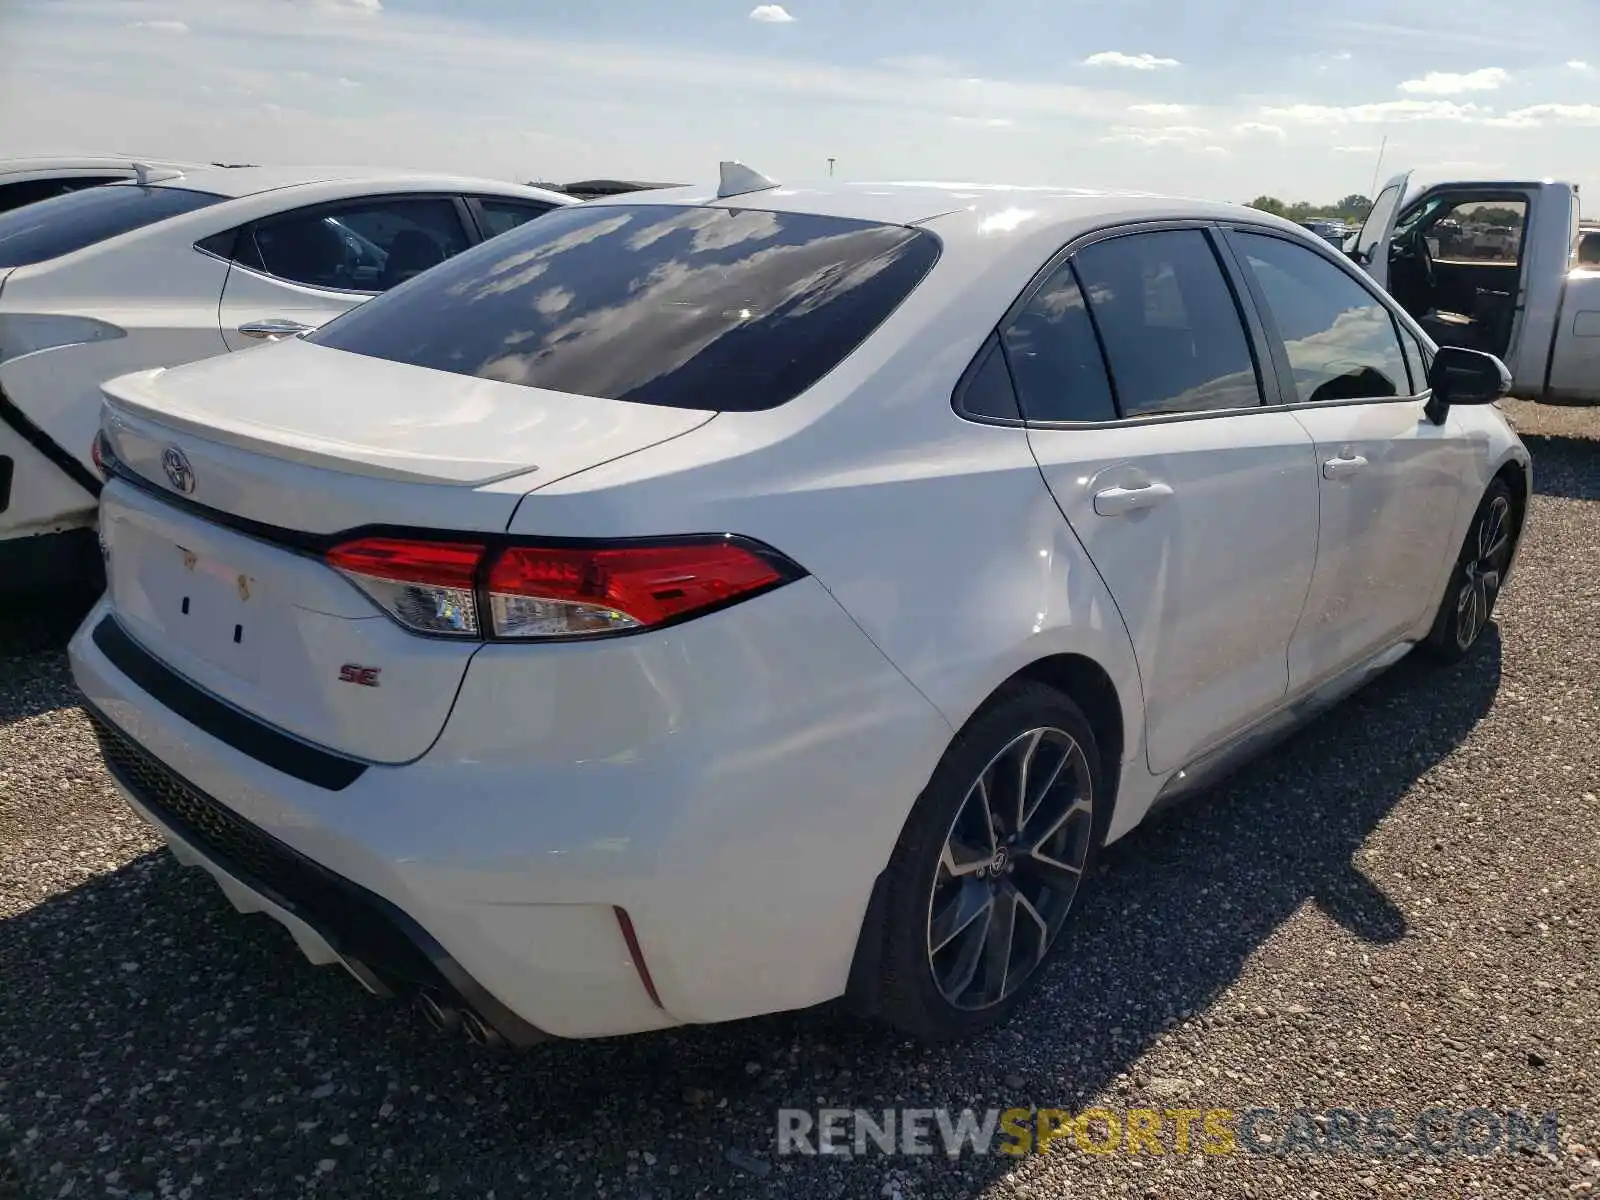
(988, 867)
(1475, 580)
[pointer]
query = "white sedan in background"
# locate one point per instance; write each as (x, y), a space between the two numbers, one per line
(29, 180)
(194, 263)
(709, 602)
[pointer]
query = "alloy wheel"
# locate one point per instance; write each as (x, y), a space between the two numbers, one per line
(1482, 572)
(1010, 867)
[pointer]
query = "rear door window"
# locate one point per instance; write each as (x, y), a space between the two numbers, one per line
(498, 215)
(1055, 357)
(365, 246)
(704, 308)
(1172, 330)
(64, 224)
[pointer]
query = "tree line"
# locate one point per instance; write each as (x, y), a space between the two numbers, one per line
(1353, 208)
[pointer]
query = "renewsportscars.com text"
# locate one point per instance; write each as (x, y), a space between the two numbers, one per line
(1377, 1132)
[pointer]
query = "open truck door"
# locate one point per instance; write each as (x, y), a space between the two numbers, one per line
(1371, 249)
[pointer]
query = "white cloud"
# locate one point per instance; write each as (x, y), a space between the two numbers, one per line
(985, 122)
(1355, 149)
(771, 14)
(1561, 114)
(1577, 64)
(348, 83)
(161, 26)
(1444, 83)
(1256, 127)
(1376, 114)
(1161, 135)
(1164, 110)
(1134, 62)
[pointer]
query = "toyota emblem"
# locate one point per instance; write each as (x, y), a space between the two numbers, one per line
(179, 473)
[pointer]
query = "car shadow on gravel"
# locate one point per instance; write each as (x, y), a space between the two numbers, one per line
(33, 669)
(1563, 466)
(163, 1029)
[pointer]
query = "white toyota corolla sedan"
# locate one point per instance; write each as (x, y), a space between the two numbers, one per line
(721, 601)
(183, 264)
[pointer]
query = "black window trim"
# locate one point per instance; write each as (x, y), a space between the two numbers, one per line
(474, 205)
(993, 344)
(464, 214)
(1268, 382)
(1400, 321)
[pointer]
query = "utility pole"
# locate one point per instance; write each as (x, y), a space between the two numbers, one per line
(830, 168)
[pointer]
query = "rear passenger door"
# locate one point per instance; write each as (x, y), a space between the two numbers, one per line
(301, 268)
(1388, 475)
(1135, 367)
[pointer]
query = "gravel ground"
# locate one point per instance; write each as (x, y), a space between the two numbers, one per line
(1398, 909)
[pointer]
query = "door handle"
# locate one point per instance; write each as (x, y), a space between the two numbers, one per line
(1342, 468)
(270, 329)
(1113, 502)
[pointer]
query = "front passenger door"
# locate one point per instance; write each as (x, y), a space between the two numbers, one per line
(1196, 503)
(308, 266)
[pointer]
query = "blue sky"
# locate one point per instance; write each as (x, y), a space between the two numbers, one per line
(1230, 99)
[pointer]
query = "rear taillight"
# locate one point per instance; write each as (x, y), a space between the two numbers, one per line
(529, 592)
(426, 586)
(100, 453)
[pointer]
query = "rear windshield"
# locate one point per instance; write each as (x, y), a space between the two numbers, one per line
(62, 224)
(707, 308)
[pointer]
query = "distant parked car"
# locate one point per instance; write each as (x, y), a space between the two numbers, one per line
(701, 603)
(28, 180)
(1333, 232)
(1588, 250)
(193, 263)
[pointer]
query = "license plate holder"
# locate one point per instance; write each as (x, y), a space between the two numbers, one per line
(216, 610)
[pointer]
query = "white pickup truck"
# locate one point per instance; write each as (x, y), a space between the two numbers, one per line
(1531, 298)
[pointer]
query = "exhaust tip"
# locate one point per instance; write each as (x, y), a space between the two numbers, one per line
(443, 1017)
(479, 1030)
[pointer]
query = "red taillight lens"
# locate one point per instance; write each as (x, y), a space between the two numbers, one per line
(97, 452)
(555, 591)
(426, 586)
(540, 591)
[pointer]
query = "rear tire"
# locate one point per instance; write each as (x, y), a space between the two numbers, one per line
(988, 868)
(1475, 580)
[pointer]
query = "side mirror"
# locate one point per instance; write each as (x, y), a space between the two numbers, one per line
(1460, 376)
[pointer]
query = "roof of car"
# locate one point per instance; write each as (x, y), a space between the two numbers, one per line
(234, 182)
(983, 209)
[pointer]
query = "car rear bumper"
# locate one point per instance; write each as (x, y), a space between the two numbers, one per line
(722, 830)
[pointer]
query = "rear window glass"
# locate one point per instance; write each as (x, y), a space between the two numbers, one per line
(63, 224)
(707, 308)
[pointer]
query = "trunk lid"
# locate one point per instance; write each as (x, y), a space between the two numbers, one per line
(293, 440)
(320, 440)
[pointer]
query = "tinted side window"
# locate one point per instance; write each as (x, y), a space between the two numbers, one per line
(1341, 341)
(502, 216)
(1172, 331)
(729, 310)
(63, 224)
(30, 191)
(986, 391)
(1055, 357)
(365, 247)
